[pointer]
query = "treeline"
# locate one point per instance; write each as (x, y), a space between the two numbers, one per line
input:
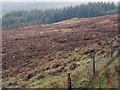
(17, 19)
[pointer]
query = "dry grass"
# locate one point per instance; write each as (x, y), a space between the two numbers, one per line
(38, 59)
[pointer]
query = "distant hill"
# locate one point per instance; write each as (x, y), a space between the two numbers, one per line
(16, 6)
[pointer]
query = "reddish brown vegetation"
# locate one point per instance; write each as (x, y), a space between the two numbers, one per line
(28, 47)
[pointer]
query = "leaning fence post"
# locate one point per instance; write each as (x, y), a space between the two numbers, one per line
(69, 81)
(93, 64)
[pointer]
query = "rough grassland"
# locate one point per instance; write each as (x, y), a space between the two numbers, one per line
(41, 55)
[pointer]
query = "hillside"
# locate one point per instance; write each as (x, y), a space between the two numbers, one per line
(40, 55)
(23, 18)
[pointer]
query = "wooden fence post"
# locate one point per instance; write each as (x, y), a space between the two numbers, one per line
(111, 49)
(93, 63)
(69, 81)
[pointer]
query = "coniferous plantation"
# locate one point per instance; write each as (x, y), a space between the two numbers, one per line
(71, 47)
(17, 19)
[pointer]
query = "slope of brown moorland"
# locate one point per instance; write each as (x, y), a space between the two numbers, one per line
(37, 53)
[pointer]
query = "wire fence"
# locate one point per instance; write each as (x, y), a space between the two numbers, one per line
(80, 76)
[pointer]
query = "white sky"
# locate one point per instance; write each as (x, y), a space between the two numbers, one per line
(59, 0)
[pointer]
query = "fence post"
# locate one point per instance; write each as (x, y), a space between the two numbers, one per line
(69, 81)
(111, 49)
(93, 63)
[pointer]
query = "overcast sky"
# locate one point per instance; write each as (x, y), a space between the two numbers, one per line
(60, 0)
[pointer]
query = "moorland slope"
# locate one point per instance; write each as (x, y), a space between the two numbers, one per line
(36, 56)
